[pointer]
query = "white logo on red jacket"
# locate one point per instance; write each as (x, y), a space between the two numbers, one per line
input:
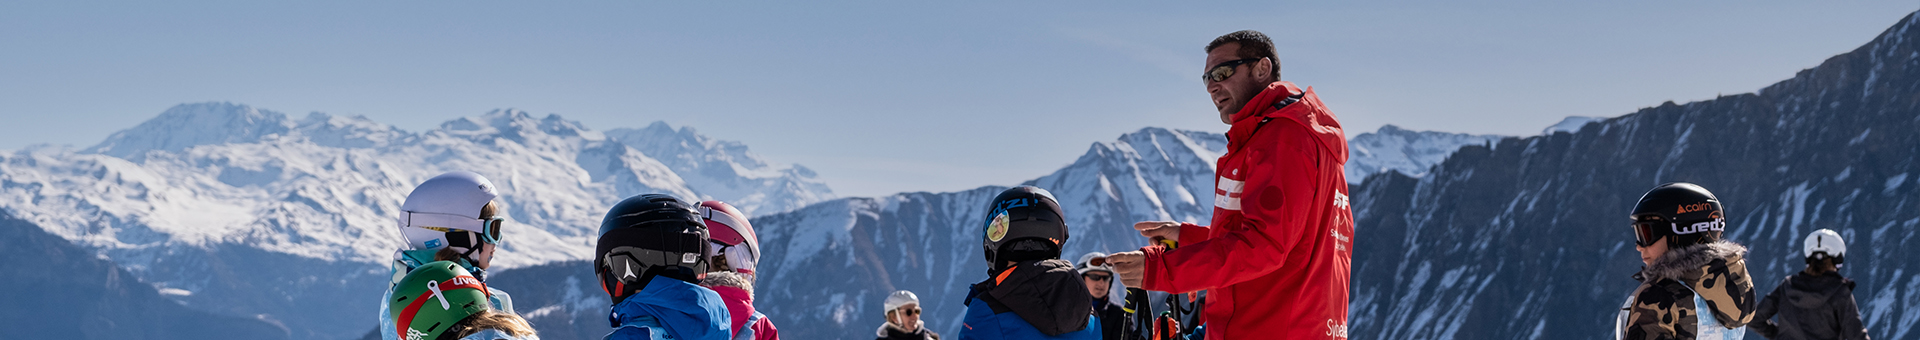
(1340, 200)
(1227, 195)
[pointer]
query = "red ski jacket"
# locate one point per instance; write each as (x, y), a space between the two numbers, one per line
(1275, 261)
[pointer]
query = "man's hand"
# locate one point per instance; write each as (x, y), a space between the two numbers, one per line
(1130, 267)
(1155, 231)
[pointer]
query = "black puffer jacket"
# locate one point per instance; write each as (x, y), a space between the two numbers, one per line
(1810, 307)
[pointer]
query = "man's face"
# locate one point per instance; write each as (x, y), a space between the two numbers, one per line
(908, 316)
(1652, 252)
(1098, 283)
(1248, 79)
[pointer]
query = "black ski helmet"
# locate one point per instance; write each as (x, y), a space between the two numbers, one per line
(647, 236)
(1022, 224)
(1683, 213)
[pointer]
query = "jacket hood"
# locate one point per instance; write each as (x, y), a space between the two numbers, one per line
(1283, 101)
(739, 302)
(1716, 272)
(1684, 263)
(1048, 294)
(1814, 291)
(685, 310)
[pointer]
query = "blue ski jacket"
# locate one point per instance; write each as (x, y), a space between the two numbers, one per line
(669, 309)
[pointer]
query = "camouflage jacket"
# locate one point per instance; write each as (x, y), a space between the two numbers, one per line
(1697, 292)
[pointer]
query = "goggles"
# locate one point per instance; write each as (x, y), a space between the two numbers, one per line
(1224, 70)
(1643, 231)
(1097, 261)
(488, 229)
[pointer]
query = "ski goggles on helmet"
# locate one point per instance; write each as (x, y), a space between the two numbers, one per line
(1097, 261)
(460, 229)
(1224, 70)
(1644, 233)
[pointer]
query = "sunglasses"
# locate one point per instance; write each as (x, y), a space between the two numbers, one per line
(1643, 231)
(1098, 277)
(447, 223)
(910, 311)
(1224, 70)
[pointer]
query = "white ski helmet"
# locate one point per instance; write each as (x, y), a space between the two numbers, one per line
(900, 298)
(1825, 241)
(1093, 261)
(444, 206)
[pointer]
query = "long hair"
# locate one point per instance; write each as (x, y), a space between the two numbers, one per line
(489, 319)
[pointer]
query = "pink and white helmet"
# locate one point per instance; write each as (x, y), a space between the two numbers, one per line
(732, 237)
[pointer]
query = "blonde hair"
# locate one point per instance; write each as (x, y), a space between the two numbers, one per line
(489, 319)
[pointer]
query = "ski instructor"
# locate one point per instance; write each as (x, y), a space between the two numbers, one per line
(1276, 257)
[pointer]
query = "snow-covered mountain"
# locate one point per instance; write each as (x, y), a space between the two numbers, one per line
(1528, 238)
(198, 199)
(1410, 152)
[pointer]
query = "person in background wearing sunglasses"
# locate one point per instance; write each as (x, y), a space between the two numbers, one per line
(1098, 275)
(903, 319)
(1276, 258)
(1695, 283)
(450, 217)
(1818, 301)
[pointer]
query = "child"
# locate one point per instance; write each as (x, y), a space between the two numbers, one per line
(650, 254)
(735, 255)
(1695, 284)
(441, 300)
(1819, 302)
(1030, 293)
(450, 217)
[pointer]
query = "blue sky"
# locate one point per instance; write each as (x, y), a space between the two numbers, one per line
(889, 96)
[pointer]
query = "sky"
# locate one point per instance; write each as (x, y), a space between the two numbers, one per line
(880, 97)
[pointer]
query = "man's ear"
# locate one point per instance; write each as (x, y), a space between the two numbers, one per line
(1269, 69)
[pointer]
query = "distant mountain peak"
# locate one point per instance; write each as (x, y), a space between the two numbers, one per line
(1392, 148)
(187, 125)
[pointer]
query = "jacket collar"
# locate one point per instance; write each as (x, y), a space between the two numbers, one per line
(685, 310)
(1285, 101)
(1684, 264)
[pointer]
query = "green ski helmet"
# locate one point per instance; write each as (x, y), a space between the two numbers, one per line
(434, 297)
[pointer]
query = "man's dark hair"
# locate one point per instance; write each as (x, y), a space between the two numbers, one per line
(1253, 44)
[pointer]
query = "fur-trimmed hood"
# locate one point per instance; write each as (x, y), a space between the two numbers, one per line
(1684, 264)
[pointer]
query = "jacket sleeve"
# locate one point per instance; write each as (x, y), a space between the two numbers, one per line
(1849, 312)
(1763, 314)
(763, 330)
(1276, 203)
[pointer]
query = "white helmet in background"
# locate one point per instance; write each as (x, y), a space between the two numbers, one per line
(1093, 261)
(1825, 241)
(445, 210)
(900, 298)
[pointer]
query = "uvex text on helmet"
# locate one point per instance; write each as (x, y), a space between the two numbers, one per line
(1022, 224)
(1683, 213)
(649, 236)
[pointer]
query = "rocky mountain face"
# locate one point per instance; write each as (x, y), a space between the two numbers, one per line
(1527, 238)
(244, 211)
